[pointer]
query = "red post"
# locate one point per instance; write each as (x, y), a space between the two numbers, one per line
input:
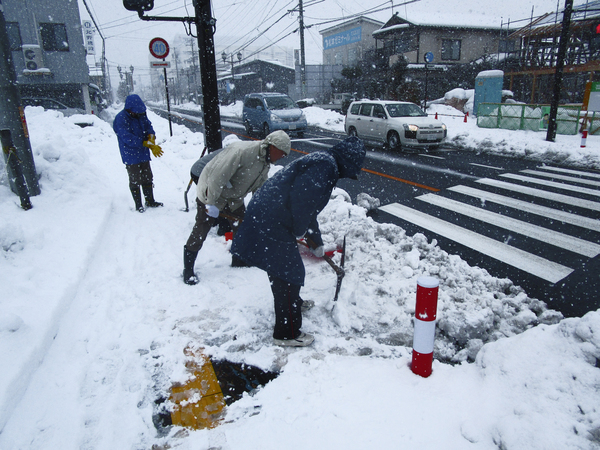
(425, 315)
(436, 115)
(583, 138)
(466, 117)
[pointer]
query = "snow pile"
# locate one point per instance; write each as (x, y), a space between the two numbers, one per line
(94, 317)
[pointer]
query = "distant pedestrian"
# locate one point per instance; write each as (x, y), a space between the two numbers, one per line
(240, 168)
(283, 210)
(136, 139)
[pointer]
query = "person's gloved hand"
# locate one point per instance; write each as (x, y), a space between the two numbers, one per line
(319, 252)
(152, 139)
(155, 149)
(212, 211)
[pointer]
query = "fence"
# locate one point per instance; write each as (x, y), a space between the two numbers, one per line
(531, 117)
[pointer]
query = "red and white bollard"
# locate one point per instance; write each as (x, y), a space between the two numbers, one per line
(466, 117)
(583, 138)
(425, 315)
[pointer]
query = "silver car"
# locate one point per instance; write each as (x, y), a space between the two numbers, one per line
(50, 103)
(397, 124)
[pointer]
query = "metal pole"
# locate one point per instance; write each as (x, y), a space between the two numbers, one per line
(560, 63)
(13, 163)
(12, 115)
(302, 56)
(168, 103)
(208, 71)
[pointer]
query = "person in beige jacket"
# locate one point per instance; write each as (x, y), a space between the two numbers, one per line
(240, 168)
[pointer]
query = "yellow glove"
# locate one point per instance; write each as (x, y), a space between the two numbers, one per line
(156, 150)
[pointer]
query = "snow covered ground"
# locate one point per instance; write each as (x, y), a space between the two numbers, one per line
(94, 318)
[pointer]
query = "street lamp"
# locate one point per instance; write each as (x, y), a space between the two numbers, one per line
(239, 57)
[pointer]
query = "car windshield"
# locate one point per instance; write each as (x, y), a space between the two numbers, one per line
(404, 110)
(280, 103)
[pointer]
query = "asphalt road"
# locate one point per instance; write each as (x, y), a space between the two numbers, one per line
(538, 226)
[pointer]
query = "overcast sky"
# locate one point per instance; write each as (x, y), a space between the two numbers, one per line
(270, 24)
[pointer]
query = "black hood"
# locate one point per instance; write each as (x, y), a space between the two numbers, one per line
(349, 155)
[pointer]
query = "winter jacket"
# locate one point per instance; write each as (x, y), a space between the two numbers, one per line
(132, 132)
(240, 168)
(286, 208)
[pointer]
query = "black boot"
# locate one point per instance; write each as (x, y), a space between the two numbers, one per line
(137, 198)
(149, 195)
(189, 258)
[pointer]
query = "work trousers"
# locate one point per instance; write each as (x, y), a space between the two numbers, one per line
(139, 174)
(204, 223)
(288, 312)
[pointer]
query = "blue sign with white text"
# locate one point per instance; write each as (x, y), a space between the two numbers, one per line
(343, 38)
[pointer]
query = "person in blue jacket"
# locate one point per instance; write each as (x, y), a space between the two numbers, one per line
(283, 210)
(136, 139)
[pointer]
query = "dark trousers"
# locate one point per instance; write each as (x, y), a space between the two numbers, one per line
(204, 223)
(139, 174)
(288, 313)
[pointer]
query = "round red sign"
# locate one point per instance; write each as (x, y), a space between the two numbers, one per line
(159, 48)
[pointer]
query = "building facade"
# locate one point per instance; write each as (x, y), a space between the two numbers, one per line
(346, 44)
(449, 44)
(49, 57)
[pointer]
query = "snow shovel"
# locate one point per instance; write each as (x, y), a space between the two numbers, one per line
(339, 270)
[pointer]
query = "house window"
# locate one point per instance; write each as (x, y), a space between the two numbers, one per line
(54, 37)
(14, 35)
(450, 50)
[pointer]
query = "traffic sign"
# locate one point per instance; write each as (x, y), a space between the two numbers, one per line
(159, 48)
(428, 57)
(155, 64)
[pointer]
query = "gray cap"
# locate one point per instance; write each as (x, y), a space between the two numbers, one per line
(281, 140)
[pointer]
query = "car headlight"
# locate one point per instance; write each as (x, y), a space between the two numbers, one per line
(302, 117)
(275, 118)
(410, 131)
(444, 127)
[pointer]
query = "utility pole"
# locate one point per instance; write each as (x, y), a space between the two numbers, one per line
(12, 119)
(560, 63)
(205, 25)
(302, 54)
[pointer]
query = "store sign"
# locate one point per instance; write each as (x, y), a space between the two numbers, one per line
(88, 36)
(343, 38)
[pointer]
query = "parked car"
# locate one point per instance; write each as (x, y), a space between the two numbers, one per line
(49, 103)
(397, 124)
(267, 112)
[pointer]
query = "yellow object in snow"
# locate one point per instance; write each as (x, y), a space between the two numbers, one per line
(199, 402)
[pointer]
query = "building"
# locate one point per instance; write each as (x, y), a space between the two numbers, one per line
(530, 68)
(49, 57)
(346, 44)
(255, 76)
(449, 44)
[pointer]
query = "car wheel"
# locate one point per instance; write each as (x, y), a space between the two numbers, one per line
(393, 140)
(266, 130)
(248, 128)
(352, 132)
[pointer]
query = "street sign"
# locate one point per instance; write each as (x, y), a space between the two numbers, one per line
(159, 64)
(428, 57)
(159, 48)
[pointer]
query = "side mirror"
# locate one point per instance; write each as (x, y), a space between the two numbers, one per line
(138, 5)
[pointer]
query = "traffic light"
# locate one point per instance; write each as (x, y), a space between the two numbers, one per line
(595, 38)
(138, 5)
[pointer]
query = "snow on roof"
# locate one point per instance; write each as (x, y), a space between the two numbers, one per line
(490, 74)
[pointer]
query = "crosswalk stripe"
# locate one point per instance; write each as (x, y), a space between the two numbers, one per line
(536, 265)
(571, 171)
(561, 198)
(566, 187)
(552, 237)
(544, 211)
(562, 177)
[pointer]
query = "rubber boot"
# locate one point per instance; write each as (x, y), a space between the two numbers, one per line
(149, 195)
(137, 198)
(189, 258)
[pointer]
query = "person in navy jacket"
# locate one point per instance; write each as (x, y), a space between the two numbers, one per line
(136, 140)
(283, 210)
